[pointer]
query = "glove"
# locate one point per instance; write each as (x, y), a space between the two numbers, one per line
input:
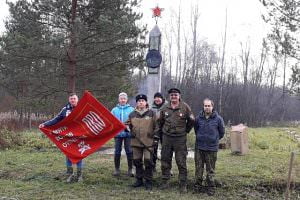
(127, 129)
(133, 135)
(155, 140)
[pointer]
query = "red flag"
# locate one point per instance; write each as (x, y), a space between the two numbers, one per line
(85, 130)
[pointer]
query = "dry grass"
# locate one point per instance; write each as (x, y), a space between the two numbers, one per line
(29, 173)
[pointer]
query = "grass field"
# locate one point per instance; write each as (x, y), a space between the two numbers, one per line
(29, 171)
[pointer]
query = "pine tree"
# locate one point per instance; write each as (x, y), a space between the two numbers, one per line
(34, 49)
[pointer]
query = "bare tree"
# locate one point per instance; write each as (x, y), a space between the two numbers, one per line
(72, 49)
(221, 70)
(178, 43)
(194, 26)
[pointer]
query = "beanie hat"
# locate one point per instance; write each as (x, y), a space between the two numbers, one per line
(123, 94)
(159, 95)
(140, 96)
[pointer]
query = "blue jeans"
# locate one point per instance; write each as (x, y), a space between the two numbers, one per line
(69, 163)
(118, 145)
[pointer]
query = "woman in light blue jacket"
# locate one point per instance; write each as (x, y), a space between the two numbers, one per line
(122, 111)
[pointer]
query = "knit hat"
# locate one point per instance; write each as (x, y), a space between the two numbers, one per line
(158, 94)
(140, 96)
(123, 94)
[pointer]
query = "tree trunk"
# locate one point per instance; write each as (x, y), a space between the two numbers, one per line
(72, 50)
(222, 66)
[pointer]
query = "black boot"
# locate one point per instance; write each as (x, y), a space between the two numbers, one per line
(199, 188)
(139, 169)
(117, 165)
(138, 183)
(138, 163)
(154, 169)
(183, 187)
(69, 171)
(130, 163)
(165, 184)
(148, 185)
(210, 186)
(210, 191)
(148, 175)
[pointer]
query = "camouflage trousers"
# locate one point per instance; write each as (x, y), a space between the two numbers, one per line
(207, 159)
(177, 145)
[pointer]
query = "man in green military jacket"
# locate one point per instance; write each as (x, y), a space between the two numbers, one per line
(175, 121)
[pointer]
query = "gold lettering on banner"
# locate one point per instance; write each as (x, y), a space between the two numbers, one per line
(94, 122)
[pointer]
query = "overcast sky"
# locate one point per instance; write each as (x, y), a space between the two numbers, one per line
(244, 22)
(3, 14)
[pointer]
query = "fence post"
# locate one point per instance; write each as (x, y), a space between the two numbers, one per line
(287, 194)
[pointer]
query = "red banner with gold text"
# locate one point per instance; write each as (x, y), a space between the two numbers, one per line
(85, 130)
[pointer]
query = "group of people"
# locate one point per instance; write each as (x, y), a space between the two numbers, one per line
(167, 123)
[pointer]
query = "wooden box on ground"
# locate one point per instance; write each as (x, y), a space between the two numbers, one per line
(239, 139)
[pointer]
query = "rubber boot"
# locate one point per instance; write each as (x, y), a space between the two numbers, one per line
(183, 187)
(71, 178)
(79, 175)
(130, 163)
(164, 184)
(210, 191)
(210, 186)
(138, 163)
(117, 165)
(138, 183)
(148, 185)
(199, 188)
(69, 171)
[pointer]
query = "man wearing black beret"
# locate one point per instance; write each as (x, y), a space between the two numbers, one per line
(175, 121)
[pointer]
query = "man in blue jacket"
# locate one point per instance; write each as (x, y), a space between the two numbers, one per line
(122, 111)
(73, 100)
(209, 129)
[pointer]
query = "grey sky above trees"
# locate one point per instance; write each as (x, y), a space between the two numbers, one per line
(245, 83)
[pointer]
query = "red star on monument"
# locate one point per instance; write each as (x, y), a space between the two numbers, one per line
(157, 11)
